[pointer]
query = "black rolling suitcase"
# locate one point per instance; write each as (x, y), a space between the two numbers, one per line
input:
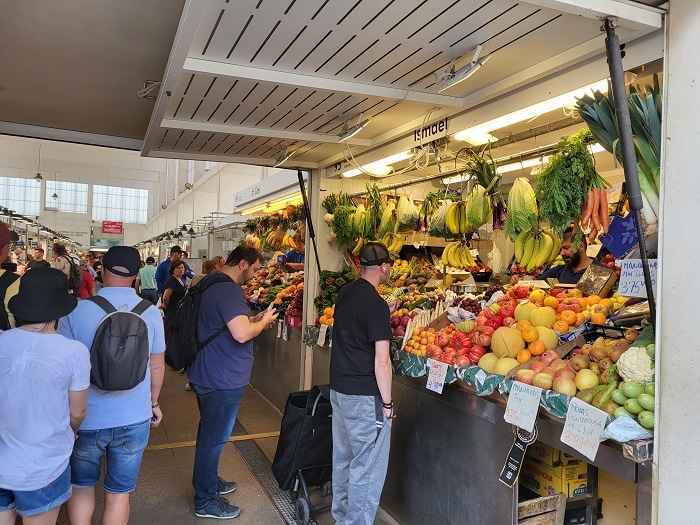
(304, 455)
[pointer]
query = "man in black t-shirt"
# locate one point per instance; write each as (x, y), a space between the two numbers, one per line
(39, 261)
(360, 380)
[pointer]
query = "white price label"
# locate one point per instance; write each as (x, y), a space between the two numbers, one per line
(322, 335)
(522, 406)
(436, 375)
(632, 283)
(583, 426)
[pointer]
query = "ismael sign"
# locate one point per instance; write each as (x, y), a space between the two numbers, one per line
(431, 132)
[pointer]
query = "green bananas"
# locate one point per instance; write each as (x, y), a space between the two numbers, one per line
(536, 248)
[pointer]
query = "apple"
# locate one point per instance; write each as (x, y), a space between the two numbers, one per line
(586, 378)
(564, 385)
(395, 322)
(543, 381)
(557, 364)
(537, 295)
(565, 372)
(404, 320)
(400, 331)
(415, 313)
(548, 356)
(549, 371)
(536, 366)
(525, 376)
(508, 321)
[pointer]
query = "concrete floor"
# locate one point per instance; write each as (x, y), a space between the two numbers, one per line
(164, 494)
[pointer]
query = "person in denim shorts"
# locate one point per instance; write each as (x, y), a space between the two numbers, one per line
(43, 397)
(118, 423)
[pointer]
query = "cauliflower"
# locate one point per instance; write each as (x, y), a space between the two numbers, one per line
(635, 365)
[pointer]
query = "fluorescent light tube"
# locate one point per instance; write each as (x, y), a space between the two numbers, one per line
(379, 168)
(479, 133)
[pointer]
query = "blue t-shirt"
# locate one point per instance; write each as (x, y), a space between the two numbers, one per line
(294, 256)
(109, 409)
(564, 274)
(224, 363)
(162, 275)
(36, 373)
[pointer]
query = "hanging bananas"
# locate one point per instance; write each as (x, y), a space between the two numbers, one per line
(393, 242)
(275, 239)
(360, 243)
(458, 255)
(536, 248)
(456, 218)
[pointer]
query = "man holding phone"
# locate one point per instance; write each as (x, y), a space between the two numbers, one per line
(220, 374)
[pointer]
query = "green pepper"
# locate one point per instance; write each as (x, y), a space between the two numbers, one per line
(325, 274)
(331, 288)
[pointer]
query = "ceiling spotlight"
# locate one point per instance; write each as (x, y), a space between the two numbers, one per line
(351, 132)
(38, 177)
(451, 77)
(188, 186)
(191, 231)
(283, 158)
(54, 196)
(163, 206)
(183, 228)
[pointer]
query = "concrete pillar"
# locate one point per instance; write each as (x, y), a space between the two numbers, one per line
(677, 460)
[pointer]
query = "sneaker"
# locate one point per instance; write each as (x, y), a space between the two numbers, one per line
(226, 487)
(219, 509)
(188, 387)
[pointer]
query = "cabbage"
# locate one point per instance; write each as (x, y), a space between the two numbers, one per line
(522, 208)
(478, 207)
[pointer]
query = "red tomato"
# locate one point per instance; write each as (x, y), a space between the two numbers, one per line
(482, 336)
(462, 360)
(460, 339)
(476, 353)
(495, 322)
(507, 310)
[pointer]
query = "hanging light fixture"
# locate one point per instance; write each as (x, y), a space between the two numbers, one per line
(351, 132)
(451, 77)
(54, 196)
(191, 231)
(38, 176)
(283, 158)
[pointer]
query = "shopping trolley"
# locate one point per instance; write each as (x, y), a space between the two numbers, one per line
(304, 456)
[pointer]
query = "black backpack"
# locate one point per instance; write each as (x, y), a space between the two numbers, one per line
(182, 344)
(6, 280)
(75, 275)
(120, 350)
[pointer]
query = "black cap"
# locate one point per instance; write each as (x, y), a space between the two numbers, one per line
(176, 249)
(150, 260)
(374, 254)
(123, 261)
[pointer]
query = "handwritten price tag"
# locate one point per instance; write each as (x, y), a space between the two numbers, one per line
(322, 335)
(436, 375)
(583, 427)
(522, 406)
(632, 283)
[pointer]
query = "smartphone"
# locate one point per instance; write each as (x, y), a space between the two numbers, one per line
(272, 305)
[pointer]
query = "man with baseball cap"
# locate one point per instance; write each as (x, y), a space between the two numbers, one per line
(360, 380)
(162, 274)
(117, 424)
(9, 281)
(146, 281)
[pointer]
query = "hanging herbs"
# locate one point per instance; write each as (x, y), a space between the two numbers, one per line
(563, 184)
(332, 201)
(342, 226)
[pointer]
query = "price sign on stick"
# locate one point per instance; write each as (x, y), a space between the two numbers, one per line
(632, 283)
(583, 426)
(322, 334)
(522, 406)
(436, 375)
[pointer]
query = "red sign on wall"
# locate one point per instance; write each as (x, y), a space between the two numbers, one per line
(112, 227)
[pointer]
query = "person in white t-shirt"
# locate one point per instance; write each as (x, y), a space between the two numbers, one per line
(44, 378)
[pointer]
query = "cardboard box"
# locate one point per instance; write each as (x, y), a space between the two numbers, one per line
(597, 280)
(549, 455)
(546, 480)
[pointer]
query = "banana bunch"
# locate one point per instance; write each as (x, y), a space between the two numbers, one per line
(457, 255)
(393, 242)
(456, 218)
(275, 239)
(360, 243)
(288, 242)
(535, 248)
(388, 220)
(358, 220)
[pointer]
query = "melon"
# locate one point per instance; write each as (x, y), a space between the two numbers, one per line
(548, 337)
(505, 365)
(523, 311)
(543, 316)
(488, 362)
(507, 341)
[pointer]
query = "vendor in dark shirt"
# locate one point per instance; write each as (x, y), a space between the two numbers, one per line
(575, 262)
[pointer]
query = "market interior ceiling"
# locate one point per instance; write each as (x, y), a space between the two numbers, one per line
(248, 80)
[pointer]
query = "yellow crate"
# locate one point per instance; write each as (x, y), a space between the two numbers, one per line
(549, 455)
(547, 480)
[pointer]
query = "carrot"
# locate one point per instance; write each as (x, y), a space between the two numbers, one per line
(604, 215)
(587, 209)
(595, 213)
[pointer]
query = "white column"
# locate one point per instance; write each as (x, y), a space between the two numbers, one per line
(677, 449)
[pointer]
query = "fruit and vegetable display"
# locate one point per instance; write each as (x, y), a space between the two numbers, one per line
(276, 231)
(274, 285)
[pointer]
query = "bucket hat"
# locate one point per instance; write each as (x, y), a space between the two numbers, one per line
(43, 296)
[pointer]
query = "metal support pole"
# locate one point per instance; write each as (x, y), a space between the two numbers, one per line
(307, 212)
(629, 157)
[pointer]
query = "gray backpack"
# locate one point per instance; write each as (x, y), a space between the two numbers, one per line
(120, 351)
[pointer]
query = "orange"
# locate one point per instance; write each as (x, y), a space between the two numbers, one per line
(522, 324)
(593, 299)
(431, 330)
(328, 312)
(536, 347)
(568, 316)
(323, 319)
(598, 318)
(583, 303)
(523, 356)
(580, 319)
(552, 301)
(607, 303)
(560, 326)
(431, 339)
(424, 341)
(530, 334)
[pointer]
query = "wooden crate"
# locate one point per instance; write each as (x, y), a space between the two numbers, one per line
(542, 511)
